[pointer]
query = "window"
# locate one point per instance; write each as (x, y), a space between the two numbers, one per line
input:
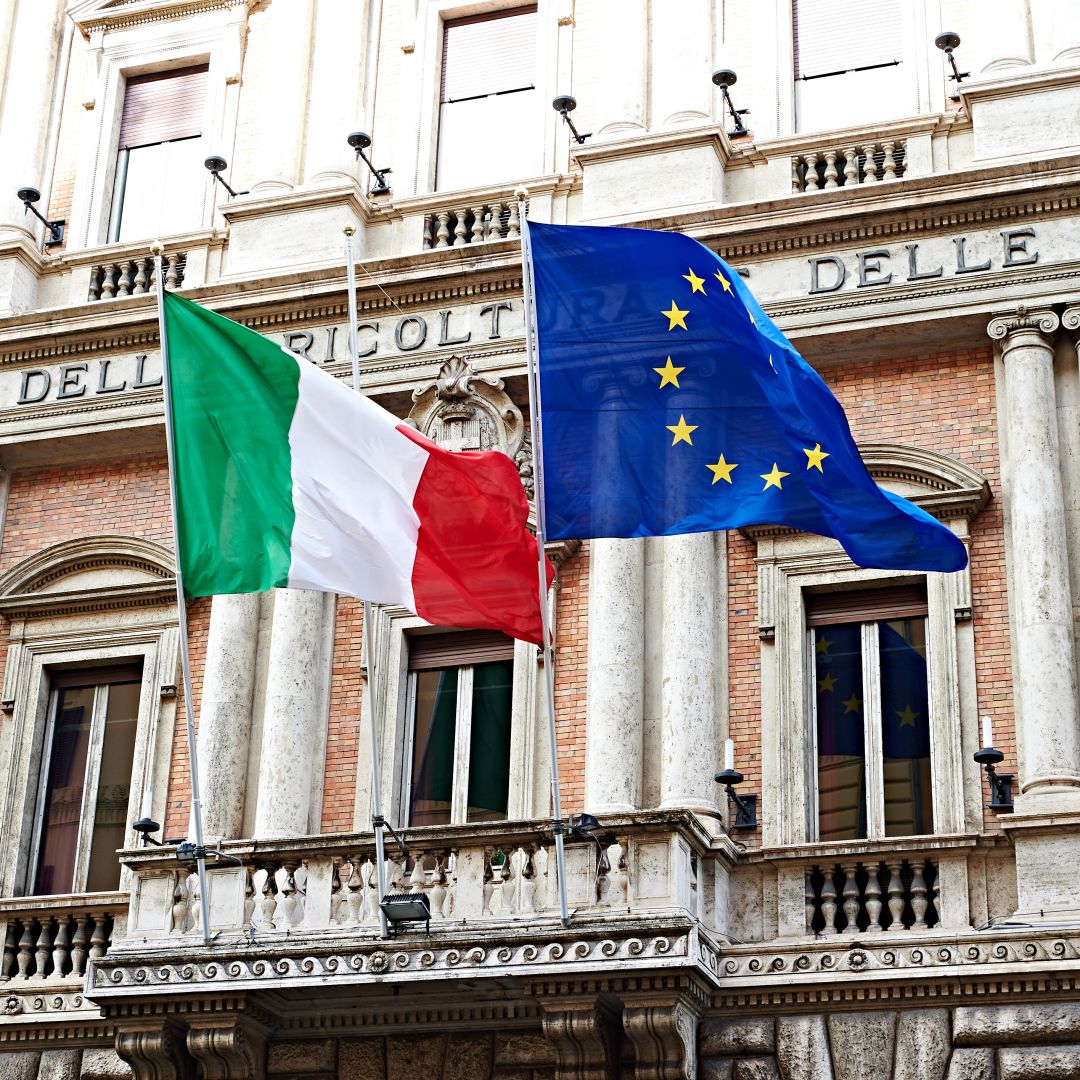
(86, 773)
(849, 63)
(490, 124)
(160, 181)
(871, 713)
(460, 697)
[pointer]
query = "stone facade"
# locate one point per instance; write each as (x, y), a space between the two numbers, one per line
(925, 262)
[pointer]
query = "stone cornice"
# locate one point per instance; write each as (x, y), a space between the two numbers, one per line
(123, 14)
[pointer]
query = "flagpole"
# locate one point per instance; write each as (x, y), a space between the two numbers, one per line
(541, 535)
(377, 819)
(157, 249)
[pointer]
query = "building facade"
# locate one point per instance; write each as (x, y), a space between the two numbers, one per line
(887, 911)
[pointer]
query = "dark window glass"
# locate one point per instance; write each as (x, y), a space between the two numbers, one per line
(433, 747)
(489, 750)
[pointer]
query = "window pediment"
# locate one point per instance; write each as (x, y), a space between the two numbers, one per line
(105, 15)
(88, 574)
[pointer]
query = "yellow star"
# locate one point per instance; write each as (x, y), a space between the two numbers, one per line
(722, 469)
(669, 374)
(852, 704)
(823, 645)
(815, 457)
(908, 716)
(827, 683)
(771, 364)
(675, 317)
(752, 319)
(772, 479)
(723, 281)
(697, 284)
(681, 431)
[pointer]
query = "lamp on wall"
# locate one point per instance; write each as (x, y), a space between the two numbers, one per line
(724, 78)
(564, 105)
(360, 141)
(217, 165)
(731, 778)
(30, 195)
(1001, 796)
(946, 41)
(144, 827)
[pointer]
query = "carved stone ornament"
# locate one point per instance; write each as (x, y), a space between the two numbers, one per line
(227, 1051)
(464, 410)
(1002, 326)
(154, 1052)
(585, 1038)
(665, 1041)
(13, 1005)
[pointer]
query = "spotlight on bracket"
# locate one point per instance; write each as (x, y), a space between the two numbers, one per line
(217, 165)
(360, 141)
(946, 41)
(564, 105)
(144, 827)
(724, 78)
(28, 196)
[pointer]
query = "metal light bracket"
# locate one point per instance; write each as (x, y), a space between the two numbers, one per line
(724, 78)
(360, 141)
(564, 105)
(745, 805)
(946, 41)
(217, 165)
(29, 196)
(1001, 793)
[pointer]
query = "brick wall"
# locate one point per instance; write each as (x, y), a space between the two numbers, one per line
(571, 665)
(343, 729)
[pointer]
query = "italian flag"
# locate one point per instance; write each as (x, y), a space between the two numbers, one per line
(287, 478)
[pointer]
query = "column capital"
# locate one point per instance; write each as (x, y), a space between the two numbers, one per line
(1041, 321)
(1071, 317)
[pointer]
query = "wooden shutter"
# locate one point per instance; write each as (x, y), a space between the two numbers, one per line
(489, 54)
(832, 36)
(428, 651)
(63, 678)
(865, 605)
(163, 106)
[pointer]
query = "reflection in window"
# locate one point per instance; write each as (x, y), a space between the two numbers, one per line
(86, 788)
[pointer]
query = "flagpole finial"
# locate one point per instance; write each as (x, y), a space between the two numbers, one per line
(157, 248)
(349, 229)
(521, 192)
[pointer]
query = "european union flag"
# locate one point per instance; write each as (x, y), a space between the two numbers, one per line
(671, 403)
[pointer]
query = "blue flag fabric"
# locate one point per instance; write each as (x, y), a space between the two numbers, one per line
(671, 403)
(905, 704)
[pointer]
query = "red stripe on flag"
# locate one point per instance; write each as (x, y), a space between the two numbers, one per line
(475, 557)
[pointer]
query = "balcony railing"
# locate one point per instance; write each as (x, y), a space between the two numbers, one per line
(857, 897)
(479, 224)
(131, 277)
(848, 165)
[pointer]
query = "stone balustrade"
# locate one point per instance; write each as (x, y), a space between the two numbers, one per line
(133, 276)
(849, 164)
(482, 223)
(866, 896)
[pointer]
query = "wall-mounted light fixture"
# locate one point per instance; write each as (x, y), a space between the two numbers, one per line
(1001, 795)
(731, 778)
(946, 41)
(564, 105)
(724, 78)
(360, 141)
(217, 165)
(144, 827)
(29, 196)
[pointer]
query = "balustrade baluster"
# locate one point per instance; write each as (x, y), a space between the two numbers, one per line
(851, 898)
(140, 275)
(354, 899)
(813, 181)
(489, 884)
(830, 169)
(249, 897)
(811, 907)
(286, 897)
(108, 281)
(889, 164)
(268, 904)
(172, 274)
(459, 228)
(11, 938)
(442, 237)
(451, 889)
(797, 183)
(851, 166)
(194, 914)
(918, 896)
(873, 896)
(896, 897)
(44, 947)
(513, 223)
(437, 893)
(619, 876)
(494, 222)
(95, 283)
(78, 945)
(61, 948)
(828, 902)
(417, 876)
(127, 270)
(180, 905)
(871, 167)
(527, 884)
(476, 232)
(544, 884)
(99, 939)
(371, 891)
(429, 229)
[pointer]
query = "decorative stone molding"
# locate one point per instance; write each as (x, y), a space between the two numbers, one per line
(1070, 318)
(664, 1035)
(227, 1048)
(1002, 327)
(585, 1035)
(154, 1048)
(111, 15)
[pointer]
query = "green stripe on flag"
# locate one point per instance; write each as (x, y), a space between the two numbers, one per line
(234, 396)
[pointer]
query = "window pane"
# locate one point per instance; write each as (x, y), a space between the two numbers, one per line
(114, 786)
(163, 190)
(62, 809)
(841, 742)
(905, 728)
(489, 749)
(433, 747)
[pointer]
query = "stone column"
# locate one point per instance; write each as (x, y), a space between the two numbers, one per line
(291, 716)
(613, 742)
(688, 742)
(280, 49)
(622, 65)
(25, 105)
(681, 62)
(1045, 694)
(1059, 31)
(335, 105)
(225, 712)
(1002, 37)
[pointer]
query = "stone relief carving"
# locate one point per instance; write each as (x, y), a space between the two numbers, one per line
(464, 410)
